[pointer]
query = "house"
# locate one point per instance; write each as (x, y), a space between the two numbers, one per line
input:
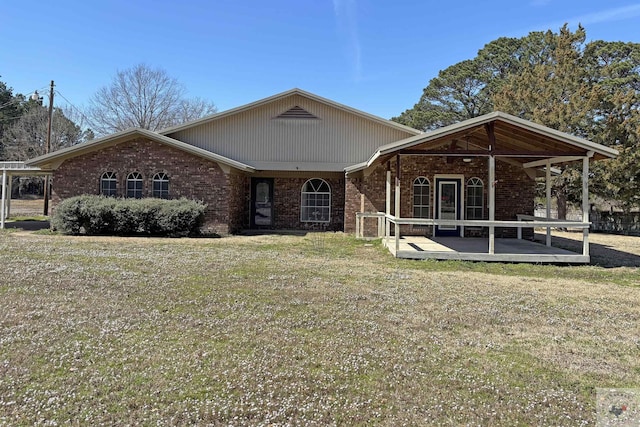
(298, 161)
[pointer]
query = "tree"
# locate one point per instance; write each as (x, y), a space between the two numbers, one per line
(146, 98)
(590, 90)
(27, 137)
(465, 90)
(10, 110)
(617, 66)
(557, 92)
(458, 93)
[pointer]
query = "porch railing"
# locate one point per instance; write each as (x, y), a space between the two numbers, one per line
(523, 221)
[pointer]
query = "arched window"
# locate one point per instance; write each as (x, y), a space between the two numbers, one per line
(475, 198)
(421, 198)
(134, 185)
(108, 184)
(316, 201)
(161, 186)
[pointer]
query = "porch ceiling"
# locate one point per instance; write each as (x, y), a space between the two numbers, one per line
(509, 141)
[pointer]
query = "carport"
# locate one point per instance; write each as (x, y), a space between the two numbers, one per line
(9, 170)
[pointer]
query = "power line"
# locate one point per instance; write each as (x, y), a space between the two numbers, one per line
(16, 99)
(74, 107)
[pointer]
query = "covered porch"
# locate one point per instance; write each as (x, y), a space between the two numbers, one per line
(530, 148)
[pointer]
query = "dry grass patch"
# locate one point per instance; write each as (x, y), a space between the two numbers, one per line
(313, 330)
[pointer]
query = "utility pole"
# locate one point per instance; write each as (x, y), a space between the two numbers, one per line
(46, 151)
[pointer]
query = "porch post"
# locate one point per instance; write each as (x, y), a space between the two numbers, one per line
(3, 212)
(548, 197)
(10, 177)
(397, 207)
(585, 205)
(387, 227)
(492, 203)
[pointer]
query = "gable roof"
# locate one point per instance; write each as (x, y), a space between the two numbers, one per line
(512, 134)
(52, 160)
(288, 93)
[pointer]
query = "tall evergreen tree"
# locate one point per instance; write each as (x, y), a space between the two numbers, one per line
(590, 90)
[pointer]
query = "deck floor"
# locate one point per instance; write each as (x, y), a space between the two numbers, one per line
(476, 249)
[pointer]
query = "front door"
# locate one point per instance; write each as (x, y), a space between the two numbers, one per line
(261, 202)
(448, 205)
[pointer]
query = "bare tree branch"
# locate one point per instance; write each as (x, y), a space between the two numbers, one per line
(145, 98)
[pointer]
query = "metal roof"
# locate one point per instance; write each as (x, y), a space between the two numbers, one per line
(291, 92)
(51, 160)
(512, 135)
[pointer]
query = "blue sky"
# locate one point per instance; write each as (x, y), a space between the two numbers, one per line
(374, 55)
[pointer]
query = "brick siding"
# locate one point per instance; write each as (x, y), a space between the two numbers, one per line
(287, 197)
(514, 190)
(190, 176)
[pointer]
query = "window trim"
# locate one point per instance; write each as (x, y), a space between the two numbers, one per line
(474, 183)
(134, 178)
(425, 183)
(110, 177)
(316, 192)
(160, 178)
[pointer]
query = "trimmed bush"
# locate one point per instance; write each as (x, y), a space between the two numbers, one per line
(99, 215)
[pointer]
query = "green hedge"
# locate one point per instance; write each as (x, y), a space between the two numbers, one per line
(99, 215)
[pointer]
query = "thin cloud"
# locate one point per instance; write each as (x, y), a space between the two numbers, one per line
(609, 15)
(603, 16)
(617, 14)
(346, 17)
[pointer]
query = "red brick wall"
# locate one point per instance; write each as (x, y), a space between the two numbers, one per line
(189, 176)
(514, 189)
(287, 198)
(239, 209)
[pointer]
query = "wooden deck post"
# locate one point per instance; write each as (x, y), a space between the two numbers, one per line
(548, 197)
(397, 207)
(3, 212)
(585, 204)
(387, 227)
(492, 203)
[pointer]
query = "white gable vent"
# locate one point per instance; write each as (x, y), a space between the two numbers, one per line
(296, 113)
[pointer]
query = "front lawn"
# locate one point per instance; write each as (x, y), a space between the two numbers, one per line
(304, 330)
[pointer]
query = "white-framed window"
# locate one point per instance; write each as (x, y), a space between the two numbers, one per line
(316, 201)
(108, 184)
(421, 197)
(134, 185)
(160, 186)
(475, 198)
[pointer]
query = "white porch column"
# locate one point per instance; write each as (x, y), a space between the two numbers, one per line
(492, 203)
(3, 212)
(548, 197)
(397, 207)
(10, 192)
(387, 227)
(585, 205)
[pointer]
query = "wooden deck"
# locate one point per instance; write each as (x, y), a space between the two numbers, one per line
(477, 249)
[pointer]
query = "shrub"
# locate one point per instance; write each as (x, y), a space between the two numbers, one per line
(125, 217)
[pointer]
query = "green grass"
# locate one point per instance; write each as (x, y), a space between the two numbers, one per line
(315, 330)
(14, 218)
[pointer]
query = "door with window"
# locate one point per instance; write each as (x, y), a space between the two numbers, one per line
(261, 202)
(447, 205)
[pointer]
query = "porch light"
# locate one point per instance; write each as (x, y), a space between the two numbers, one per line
(467, 159)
